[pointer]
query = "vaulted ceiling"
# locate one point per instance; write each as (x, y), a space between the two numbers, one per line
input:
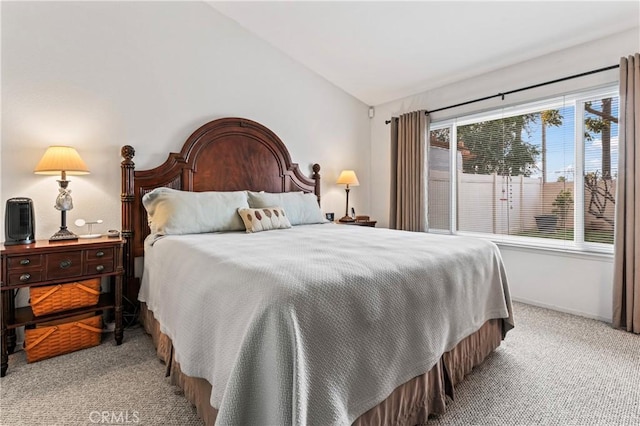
(384, 50)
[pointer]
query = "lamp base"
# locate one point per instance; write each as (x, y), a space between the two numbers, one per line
(62, 235)
(346, 219)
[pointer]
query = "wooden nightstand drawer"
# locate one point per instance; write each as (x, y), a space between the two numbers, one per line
(98, 267)
(98, 254)
(32, 261)
(64, 265)
(25, 277)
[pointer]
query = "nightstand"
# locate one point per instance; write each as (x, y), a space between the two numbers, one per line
(371, 223)
(49, 263)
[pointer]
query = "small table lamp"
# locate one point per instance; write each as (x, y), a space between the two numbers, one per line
(347, 177)
(64, 160)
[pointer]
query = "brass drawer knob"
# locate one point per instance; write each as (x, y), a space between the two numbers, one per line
(100, 268)
(65, 264)
(25, 277)
(100, 254)
(24, 262)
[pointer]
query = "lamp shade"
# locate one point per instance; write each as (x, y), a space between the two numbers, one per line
(348, 177)
(57, 159)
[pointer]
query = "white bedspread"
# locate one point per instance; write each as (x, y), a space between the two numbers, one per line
(316, 324)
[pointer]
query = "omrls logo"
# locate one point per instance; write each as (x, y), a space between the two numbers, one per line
(114, 417)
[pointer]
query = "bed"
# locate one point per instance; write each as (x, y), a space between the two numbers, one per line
(314, 323)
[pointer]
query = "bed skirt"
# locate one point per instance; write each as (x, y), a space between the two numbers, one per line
(409, 404)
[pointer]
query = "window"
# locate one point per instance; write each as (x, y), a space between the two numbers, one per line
(540, 173)
(600, 140)
(439, 172)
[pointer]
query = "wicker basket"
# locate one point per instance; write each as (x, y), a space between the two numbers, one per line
(60, 337)
(62, 297)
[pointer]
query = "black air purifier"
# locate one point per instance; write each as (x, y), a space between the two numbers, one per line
(19, 225)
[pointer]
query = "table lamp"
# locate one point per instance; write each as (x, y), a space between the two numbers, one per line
(347, 177)
(63, 160)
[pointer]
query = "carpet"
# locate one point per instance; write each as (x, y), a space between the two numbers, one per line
(552, 369)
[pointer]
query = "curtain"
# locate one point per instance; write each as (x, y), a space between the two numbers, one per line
(408, 207)
(626, 280)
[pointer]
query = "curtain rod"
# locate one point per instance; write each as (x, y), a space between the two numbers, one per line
(502, 95)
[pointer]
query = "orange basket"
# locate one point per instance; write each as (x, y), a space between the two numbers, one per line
(60, 337)
(62, 297)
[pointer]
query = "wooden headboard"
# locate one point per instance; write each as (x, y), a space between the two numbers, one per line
(228, 154)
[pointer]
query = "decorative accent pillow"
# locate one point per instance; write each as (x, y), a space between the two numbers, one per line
(302, 208)
(171, 211)
(264, 219)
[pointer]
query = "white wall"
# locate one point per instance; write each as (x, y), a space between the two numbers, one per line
(572, 283)
(99, 75)
(578, 284)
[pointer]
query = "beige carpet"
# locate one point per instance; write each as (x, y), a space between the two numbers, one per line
(122, 383)
(552, 369)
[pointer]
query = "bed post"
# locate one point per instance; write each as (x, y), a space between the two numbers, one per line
(316, 178)
(127, 196)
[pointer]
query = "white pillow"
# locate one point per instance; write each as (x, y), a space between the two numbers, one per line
(264, 219)
(302, 208)
(182, 212)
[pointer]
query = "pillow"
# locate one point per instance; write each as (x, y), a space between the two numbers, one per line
(181, 212)
(264, 219)
(302, 208)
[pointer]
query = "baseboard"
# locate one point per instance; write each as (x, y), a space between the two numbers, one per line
(561, 309)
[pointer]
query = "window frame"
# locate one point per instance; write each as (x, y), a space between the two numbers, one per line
(577, 100)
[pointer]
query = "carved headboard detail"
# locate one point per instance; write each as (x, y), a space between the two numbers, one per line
(228, 154)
